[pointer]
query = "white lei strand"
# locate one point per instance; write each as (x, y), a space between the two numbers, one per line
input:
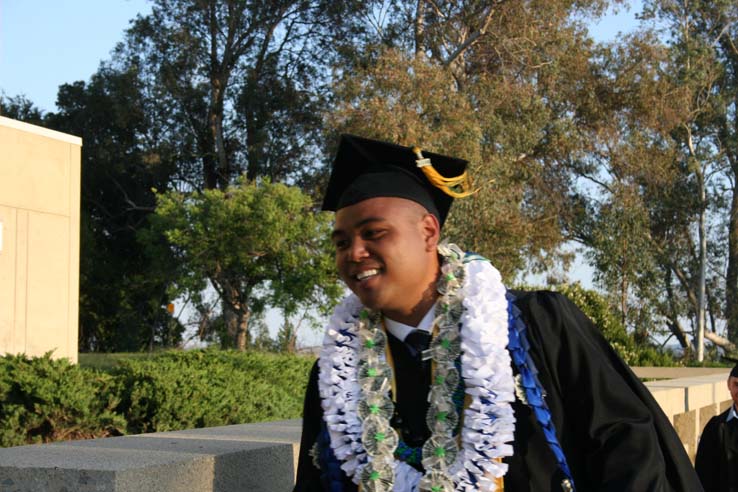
(485, 367)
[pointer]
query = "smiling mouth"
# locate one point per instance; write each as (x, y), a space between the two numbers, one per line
(366, 274)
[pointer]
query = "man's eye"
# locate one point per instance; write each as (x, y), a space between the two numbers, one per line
(372, 233)
(341, 244)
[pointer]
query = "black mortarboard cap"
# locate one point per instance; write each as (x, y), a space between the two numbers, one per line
(366, 168)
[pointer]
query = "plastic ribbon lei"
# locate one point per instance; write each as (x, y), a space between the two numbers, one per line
(355, 379)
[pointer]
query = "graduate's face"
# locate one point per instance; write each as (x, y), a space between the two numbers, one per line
(733, 388)
(386, 254)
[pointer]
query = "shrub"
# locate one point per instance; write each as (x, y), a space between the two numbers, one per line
(180, 390)
(596, 307)
(47, 400)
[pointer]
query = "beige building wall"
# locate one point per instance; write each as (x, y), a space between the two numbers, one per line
(39, 240)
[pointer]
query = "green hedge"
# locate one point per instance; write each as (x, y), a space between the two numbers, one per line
(179, 390)
(51, 400)
(595, 306)
(45, 400)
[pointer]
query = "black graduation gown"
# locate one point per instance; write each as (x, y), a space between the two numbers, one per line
(717, 455)
(613, 433)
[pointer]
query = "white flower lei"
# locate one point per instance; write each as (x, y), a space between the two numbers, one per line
(485, 366)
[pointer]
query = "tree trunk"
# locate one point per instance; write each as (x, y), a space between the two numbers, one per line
(729, 136)
(700, 339)
(624, 296)
(230, 319)
(209, 165)
(731, 280)
(419, 26)
(674, 326)
(703, 275)
(726, 344)
(242, 339)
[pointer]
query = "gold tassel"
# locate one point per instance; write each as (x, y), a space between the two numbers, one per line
(444, 184)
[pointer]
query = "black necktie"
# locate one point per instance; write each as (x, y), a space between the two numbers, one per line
(417, 341)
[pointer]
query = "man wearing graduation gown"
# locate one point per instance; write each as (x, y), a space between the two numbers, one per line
(613, 434)
(717, 453)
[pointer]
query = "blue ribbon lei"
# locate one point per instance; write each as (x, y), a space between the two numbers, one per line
(519, 348)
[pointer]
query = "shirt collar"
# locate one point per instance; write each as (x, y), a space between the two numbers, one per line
(401, 330)
(732, 414)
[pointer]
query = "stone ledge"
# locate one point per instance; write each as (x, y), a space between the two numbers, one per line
(677, 372)
(248, 457)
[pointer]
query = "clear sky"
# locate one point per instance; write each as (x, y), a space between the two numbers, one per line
(46, 43)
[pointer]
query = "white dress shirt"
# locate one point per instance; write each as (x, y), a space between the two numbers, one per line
(401, 330)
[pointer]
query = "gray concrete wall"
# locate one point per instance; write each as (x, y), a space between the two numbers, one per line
(249, 457)
(259, 457)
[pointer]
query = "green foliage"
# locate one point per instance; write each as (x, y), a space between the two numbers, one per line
(607, 319)
(256, 244)
(180, 390)
(599, 311)
(106, 361)
(234, 84)
(49, 400)
(122, 289)
(20, 108)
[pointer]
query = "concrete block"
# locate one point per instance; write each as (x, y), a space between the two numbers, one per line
(203, 460)
(671, 399)
(685, 425)
(280, 431)
(698, 392)
(63, 468)
(704, 415)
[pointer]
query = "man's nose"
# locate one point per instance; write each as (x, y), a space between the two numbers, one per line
(357, 251)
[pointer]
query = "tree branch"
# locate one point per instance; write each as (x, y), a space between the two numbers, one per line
(721, 342)
(471, 39)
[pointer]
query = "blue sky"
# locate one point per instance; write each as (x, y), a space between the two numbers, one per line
(46, 43)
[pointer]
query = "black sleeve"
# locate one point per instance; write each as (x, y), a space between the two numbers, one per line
(308, 476)
(707, 462)
(613, 433)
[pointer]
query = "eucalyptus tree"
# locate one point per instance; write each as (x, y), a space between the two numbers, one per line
(487, 81)
(701, 40)
(661, 125)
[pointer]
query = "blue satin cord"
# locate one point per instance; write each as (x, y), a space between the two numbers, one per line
(331, 475)
(519, 349)
(408, 454)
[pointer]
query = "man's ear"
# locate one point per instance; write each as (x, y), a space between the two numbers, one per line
(431, 230)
